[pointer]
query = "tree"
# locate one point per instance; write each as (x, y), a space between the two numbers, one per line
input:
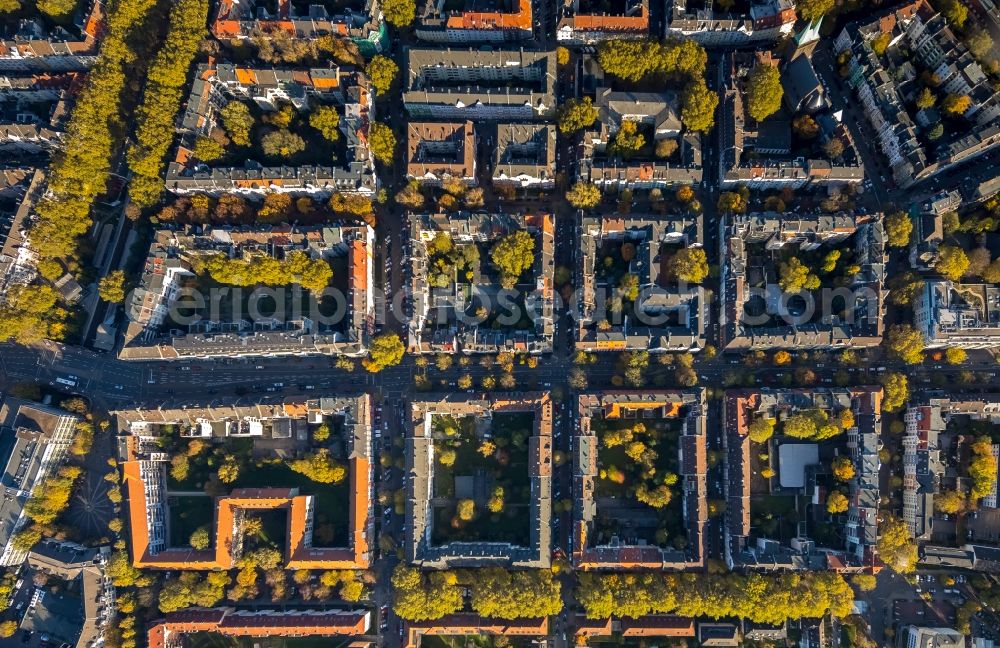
(466, 509)
(229, 471)
(905, 343)
(512, 255)
(833, 148)
(496, 502)
(577, 379)
(282, 143)
(584, 195)
(422, 597)
(836, 502)
(503, 594)
(949, 501)
(952, 262)
(895, 545)
(698, 106)
(898, 228)
(58, 10)
(955, 11)
(761, 429)
(926, 99)
(382, 72)
(896, 391)
(805, 127)
(576, 114)
(979, 42)
(627, 141)
(326, 120)
(238, 122)
(880, 43)
(8, 628)
(562, 55)
(732, 202)
(794, 276)
(320, 467)
(411, 196)
(764, 91)
(843, 468)
(813, 10)
(684, 194)
(955, 104)
(207, 149)
(955, 355)
(982, 468)
(399, 13)
(979, 261)
(666, 147)
(382, 142)
(935, 132)
(10, 6)
(111, 287)
(386, 350)
(200, 539)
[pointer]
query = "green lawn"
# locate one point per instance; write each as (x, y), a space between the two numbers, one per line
(188, 514)
(508, 468)
(775, 516)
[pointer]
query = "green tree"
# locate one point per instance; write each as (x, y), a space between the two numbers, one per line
(881, 43)
(282, 143)
(952, 262)
(898, 228)
(955, 355)
(576, 114)
(386, 350)
(864, 582)
(584, 195)
(956, 104)
(905, 343)
(812, 10)
(794, 276)
(382, 72)
(979, 42)
(926, 99)
(238, 122)
(58, 10)
(896, 391)
(689, 265)
(200, 539)
(512, 255)
(320, 467)
(165, 84)
(326, 120)
(698, 106)
(502, 594)
(764, 91)
(111, 287)
(382, 142)
(954, 10)
(424, 597)
(895, 545)
(207, 149)
(399, 13)
(627, 141)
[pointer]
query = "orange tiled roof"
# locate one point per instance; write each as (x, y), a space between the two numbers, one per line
(494, 19)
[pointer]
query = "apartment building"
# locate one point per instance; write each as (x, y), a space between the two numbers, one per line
(346, 88)
(464, 624)
(39, 440)
(580, 24)
(755, 313)
(359, 21)
(769, 20)
(438, 151)
(536, 550)
(169, 275)
(17, 260)
(668, 316)
(169, 631)
(30, 46)
(502, 85)
(85, 570)
(624, 553)
(925, 637)
(145, 469)
(887, 85)
(508, 21)
(525, 155)
(952, 314)
(800, 461)
(760, 155)
(658, 117)
(435, 324)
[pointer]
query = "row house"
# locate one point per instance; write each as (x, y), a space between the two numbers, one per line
(511, 21)
(577, 27)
